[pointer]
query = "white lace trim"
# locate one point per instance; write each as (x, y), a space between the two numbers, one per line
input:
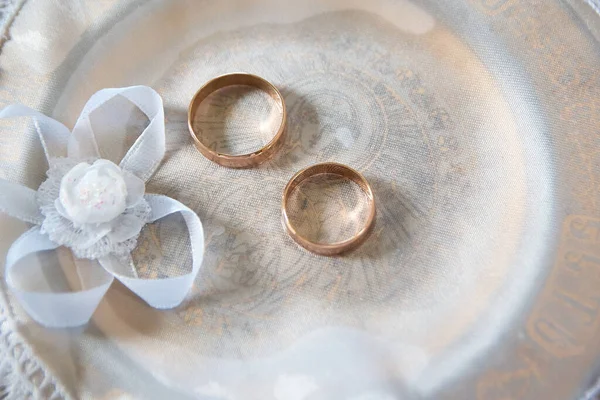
(22, 376)
(8, 11)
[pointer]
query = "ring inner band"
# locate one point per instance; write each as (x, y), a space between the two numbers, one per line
(243, 160)
(329, 249)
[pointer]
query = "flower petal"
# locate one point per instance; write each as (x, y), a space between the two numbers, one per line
(125, 227)
(77, 171)
(61, 209)
(93, 234)
(107, 165)
(93, 194)
(135, 188)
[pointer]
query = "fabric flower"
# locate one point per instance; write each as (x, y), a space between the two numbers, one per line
(94, 209)
(97, 209)
(97, 193)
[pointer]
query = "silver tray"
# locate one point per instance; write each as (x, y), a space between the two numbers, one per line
(478, 124)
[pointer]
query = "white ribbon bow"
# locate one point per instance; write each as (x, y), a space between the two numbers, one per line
(56, 308)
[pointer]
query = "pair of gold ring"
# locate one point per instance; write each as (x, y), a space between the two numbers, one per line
(258, 157)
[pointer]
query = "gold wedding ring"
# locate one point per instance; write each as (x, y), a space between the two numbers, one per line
(244, 160)
(329, 249)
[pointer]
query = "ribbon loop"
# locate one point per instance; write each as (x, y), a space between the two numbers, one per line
(19, 202)
(39, 294)
(53, 135)
(149, 149)
(69, 295)
(143, 157)
(166, 292)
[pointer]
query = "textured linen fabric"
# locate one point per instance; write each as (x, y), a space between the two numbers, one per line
(477, 123)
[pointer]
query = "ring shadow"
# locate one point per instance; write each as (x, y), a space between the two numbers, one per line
(288, 154)
(177, 134)
(236, 279)
(396, 219)
(397, 222)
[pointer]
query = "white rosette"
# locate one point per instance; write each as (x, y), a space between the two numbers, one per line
(96, 209)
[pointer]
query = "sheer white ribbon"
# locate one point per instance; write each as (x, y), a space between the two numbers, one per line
(56, 308)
